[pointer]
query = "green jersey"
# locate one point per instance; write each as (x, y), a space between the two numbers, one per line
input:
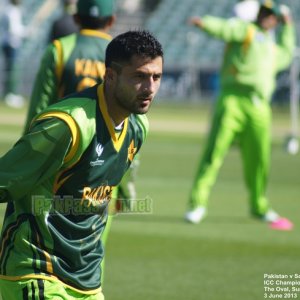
(70, 64)
(252, 56)
(58, 181)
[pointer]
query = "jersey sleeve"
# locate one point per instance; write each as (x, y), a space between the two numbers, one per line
(229, 30)
(144, 125)
(45, 89)
(35, 157)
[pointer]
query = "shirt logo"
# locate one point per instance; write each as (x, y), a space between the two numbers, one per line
(97, 196)
(94, 11)
(99, 149)
(98, 162)
(131, 151)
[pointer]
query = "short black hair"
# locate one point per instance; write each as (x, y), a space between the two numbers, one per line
(265, 11)
(88, 22)
(134, 42)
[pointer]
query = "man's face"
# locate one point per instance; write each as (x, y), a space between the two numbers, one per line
(269, 22)
(136, 84)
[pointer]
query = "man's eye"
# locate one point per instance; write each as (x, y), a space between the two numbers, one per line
(156, 77)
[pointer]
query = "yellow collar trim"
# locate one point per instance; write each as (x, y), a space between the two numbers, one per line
(117, 139)
(96, 33)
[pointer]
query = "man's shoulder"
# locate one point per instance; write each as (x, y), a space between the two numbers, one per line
(68, 40)
(79, 105)
(142, 123)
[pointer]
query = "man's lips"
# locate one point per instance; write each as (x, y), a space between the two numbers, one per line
(145, 98)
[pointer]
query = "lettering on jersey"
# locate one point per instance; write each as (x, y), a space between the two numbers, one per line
(131, 151)
(91, 71)
(85, 83)
(98, 162)
(89, 68)
(97, 196)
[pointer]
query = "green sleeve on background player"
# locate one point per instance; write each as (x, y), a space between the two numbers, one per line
(229, 30)
(45, 89)
(285, 47)
(35, 157)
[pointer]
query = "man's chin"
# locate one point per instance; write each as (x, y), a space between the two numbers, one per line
(143, 109)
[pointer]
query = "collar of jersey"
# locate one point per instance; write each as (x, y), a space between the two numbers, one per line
(96, 33)
(117, 139)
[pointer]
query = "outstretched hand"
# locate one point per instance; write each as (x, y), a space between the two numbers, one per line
(195, 21)
(285, 12)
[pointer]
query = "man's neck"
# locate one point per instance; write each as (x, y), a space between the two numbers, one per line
(116, 113)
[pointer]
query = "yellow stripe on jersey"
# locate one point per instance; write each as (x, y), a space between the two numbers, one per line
(75, 142)
(59, 63)
(8, 235)
(249, 38)
(49, 266)
(73, 128)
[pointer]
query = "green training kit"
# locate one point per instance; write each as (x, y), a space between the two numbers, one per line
(57, 181)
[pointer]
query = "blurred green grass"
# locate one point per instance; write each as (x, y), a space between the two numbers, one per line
(159, 256)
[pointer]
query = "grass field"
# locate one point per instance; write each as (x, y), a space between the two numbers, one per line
(158, 256)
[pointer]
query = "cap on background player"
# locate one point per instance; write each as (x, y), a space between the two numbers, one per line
(95, 8)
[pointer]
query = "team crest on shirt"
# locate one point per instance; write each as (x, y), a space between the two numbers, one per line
(98, 162)
(131, 151)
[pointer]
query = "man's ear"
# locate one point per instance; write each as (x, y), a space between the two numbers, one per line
(112, 21)
(110, 74)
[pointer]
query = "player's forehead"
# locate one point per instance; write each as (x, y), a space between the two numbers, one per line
(140, 63)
